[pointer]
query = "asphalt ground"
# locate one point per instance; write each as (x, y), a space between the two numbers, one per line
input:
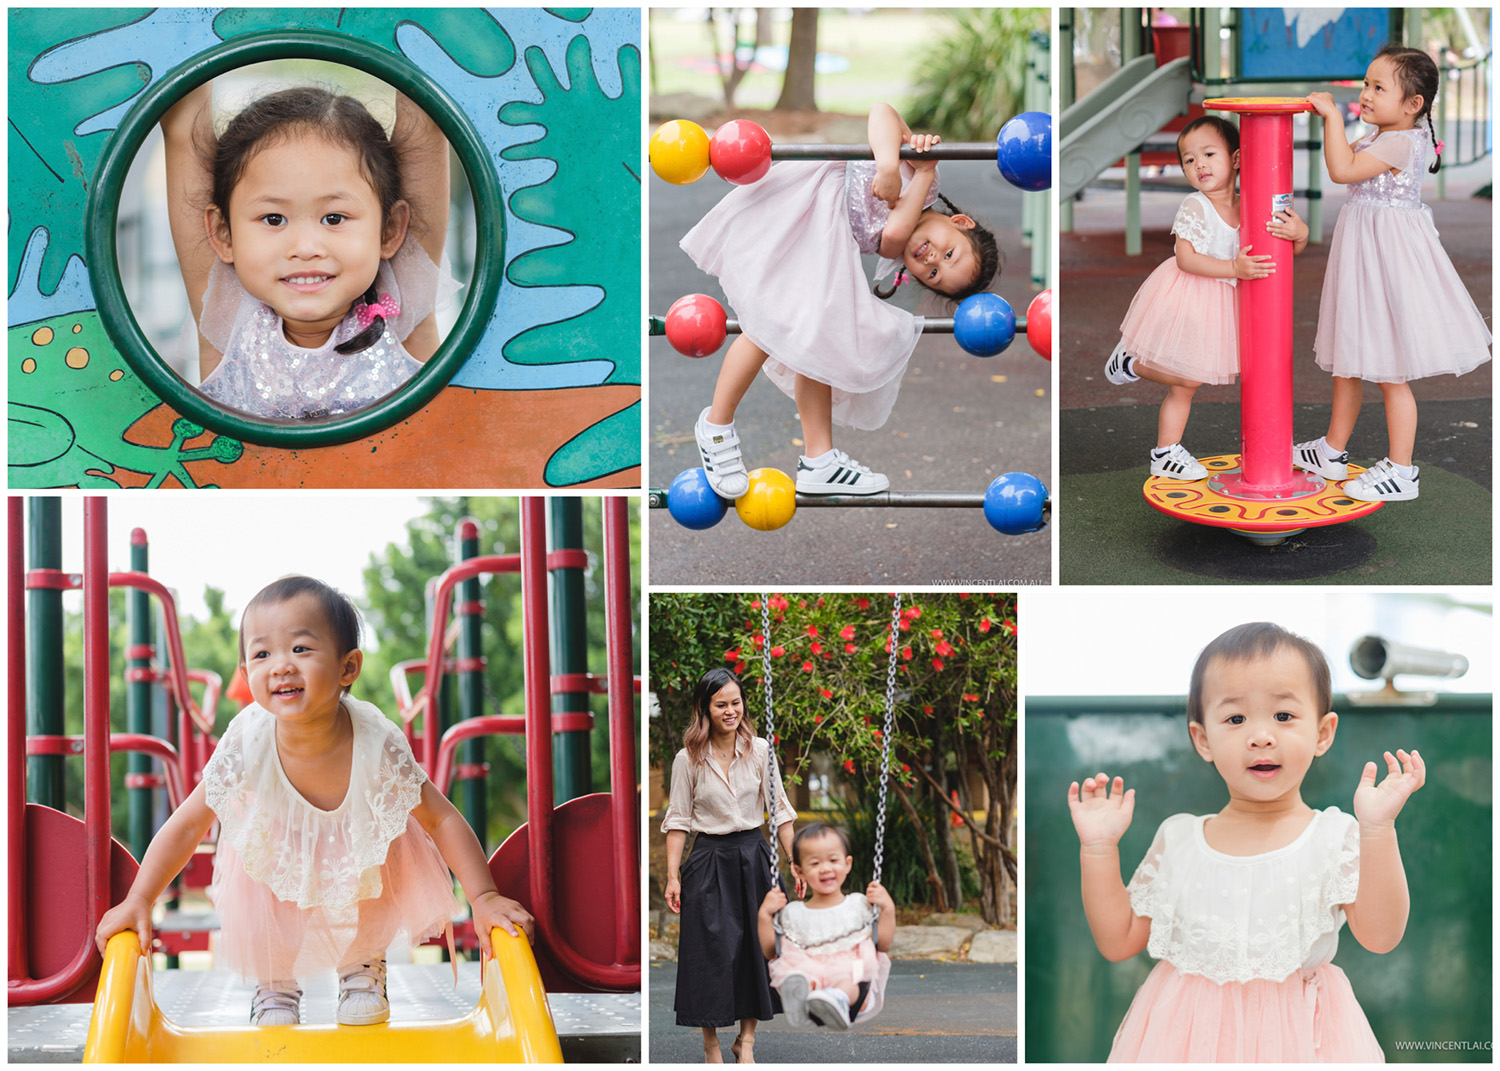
(935, 1013)
(1107, 532)
(959, 422)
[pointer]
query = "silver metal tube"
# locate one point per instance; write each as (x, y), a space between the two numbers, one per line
(958, 150)
(932, 325)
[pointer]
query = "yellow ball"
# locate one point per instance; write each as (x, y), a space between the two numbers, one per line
(770, 502)
(679, 152)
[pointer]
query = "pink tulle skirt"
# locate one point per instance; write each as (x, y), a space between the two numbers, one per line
(263, 938)
(1311, 1017)
(862, 963)
(1184, 324)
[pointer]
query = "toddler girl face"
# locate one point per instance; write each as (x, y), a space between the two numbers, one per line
(1262, 723)
(1383, 101)
(1207, 160)
(305, 232)
(292, 658)
(939, 253)
(823, 863)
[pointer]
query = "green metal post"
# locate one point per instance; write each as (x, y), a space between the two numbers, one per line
(1131, 46)
(1067, 90)
(44, 662)
(572, 775)
(470, 790)
(1038, 203)
(138, 690)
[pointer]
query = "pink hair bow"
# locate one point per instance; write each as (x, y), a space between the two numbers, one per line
(385, 307)
(901, 277)
(1440, 146)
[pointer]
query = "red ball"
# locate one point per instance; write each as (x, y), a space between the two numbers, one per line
(696, 325)
(740, 152)
(1039, 324)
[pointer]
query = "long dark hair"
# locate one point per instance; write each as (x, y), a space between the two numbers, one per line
(986, 252)
(338, 118)
(1418, 76)
(695, 738)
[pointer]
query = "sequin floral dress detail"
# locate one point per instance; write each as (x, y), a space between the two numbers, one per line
(832, 945)
(266, 376)
(1393, 306)
(1246, 945)
(787, 252)
(300, 889)
(1183, 323)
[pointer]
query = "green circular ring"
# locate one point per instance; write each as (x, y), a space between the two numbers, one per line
(103, 213)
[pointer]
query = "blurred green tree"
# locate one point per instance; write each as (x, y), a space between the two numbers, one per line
(970, 80)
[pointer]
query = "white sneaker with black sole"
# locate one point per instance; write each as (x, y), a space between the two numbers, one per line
(1175, 463)
(1311, 457)
(841, 476)
(722, 462)
(1117, 368)
(1382, 483)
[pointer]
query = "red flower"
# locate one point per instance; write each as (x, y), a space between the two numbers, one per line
(817, 718)
(760, 641)
(812, 630)
(806, 667)
(916, 612)
(963, 594)
(827, 655)
(984, 625)
(887, 645)
(755, 604)
(775, 738)
(739, 667)
(877, 734)
(905, 768)
(926, 710)
(819, 604)
(825, 693)
(802, 604)
(778, 603)
(1010, 627)
(970, 698)
(848, 648)
(847, 632)
(937, 633)
(862, 603)
(849, 765)
(906, 653)
(905, 625)
(944, 648)
(777, 652)
(732, 655)
(937, 664)
(816, 648)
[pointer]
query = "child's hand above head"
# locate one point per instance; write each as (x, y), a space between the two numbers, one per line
(131, 913)
(876, 894)
(1248, 267)
(1378, 805)
(1324, 105)
(922, 142)
(1287, 224)
(775, 900)
(491, 910)
(1099, 818)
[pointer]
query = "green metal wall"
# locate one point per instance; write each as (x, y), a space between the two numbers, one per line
(1435, 986)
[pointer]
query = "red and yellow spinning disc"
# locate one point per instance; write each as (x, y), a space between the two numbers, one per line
(1204, 502)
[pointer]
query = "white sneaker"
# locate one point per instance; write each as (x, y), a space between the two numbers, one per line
(841, 476)
(794, 989)
(1311, 458)
(722, 462)
(829, 1007)
(362, 997)
(1382, 483)
(1177, 464)
(1117, 368)
(276, 1004)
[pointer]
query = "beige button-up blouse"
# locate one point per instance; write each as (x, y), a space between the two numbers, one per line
(703, 800)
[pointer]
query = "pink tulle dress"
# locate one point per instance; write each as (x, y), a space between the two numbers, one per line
(300, 889)
(787, 251)
(1183, 323)
(1393, 306)
(264, 375)
(1246, 945)
(832, 945)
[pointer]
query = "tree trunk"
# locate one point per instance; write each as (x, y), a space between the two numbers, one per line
(798, 87)
(921, 831)
(943, 825)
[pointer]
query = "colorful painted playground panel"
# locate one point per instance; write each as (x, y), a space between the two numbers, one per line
(548, 392)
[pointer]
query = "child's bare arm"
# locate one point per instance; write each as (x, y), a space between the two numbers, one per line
(187, 132)
(1377, 918)
(170, 851)
(460, 849)
(903, 218)
(1288, 225)
(766, 920)
(1344, 164)
(1243, 266)
(886, 925)
(1100, 821)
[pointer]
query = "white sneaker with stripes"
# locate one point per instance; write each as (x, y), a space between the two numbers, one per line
(1382, 483)
(1313, 458)
(1175, 463)
(722, 462)
(840, 476)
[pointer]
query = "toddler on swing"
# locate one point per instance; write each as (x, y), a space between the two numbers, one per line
(828, 970)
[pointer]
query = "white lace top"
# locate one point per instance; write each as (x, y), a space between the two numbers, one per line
(1236, 918)
(868, 217)
(310, 857)
(1200, 223)
(828, 930)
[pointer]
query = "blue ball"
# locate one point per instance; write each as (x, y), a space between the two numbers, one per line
(692, 502)
(984, 324)
(1016, 504)
(1024, 151)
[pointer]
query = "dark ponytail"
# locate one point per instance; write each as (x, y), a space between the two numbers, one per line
(370, 335)
(1418, 76)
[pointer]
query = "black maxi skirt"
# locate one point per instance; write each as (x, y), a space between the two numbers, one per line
(721, 971)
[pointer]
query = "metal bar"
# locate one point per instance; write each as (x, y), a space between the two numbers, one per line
(495, 725)
(142, 801)
(623, 773)
(472, 801)
(571, 760)
(45, 691)
(177, 677)
(957, 150)
(885, 499)
(96, 802)
(15, 798)
(128, 743)
(931, 325)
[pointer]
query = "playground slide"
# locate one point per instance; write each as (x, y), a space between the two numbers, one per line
(510, 1024)
(1137, 101)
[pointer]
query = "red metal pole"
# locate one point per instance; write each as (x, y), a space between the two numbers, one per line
(536, 663)
(624, 810)
(16, 737)
(96, 707)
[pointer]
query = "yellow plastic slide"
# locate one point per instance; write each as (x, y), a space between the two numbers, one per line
(510, 1024)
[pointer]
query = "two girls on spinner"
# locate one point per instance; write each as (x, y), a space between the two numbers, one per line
(830, 971)
(332, 841)
(787, 252)
(1243, 907)
(1181, 328)
(308, 241)
(1393, 308)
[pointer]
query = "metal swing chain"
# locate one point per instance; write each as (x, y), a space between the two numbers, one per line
(885, 740)
(772, 776)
